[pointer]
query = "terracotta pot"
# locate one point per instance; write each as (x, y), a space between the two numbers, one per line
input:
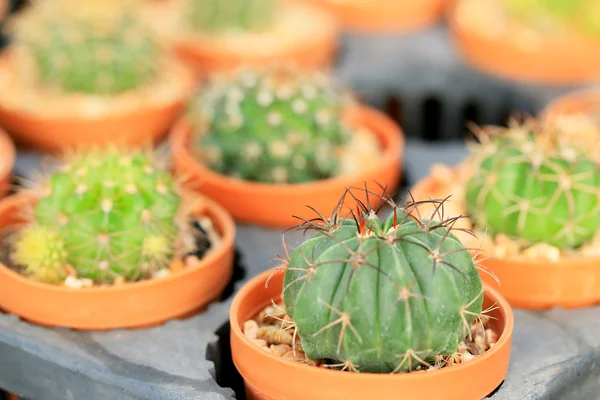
(311, 51)
(275, 205)
(140, 126)
(579, 102)
(384, 16)
(535, 285)
(277, 379)
(554, 61)
(4, 9)
(130, 305)
(7, 161)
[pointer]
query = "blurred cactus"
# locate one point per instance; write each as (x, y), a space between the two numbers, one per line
(107, 214)
(530, 183)
(214, 16)
(89, 47)
(580, 15)
(282, 126)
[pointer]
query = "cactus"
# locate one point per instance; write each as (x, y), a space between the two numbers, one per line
(83, 50)
(531, 185)
(282, 127)
(217, 16)
(580, 15)
(374, 295)
(107, 214)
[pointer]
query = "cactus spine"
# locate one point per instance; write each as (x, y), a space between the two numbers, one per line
(530, 185)
(377, 295)
(107, 214)
(216, 16)
(278, 127)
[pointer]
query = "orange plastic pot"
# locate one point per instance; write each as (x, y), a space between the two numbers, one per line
(554, 61)
(275, 205)
(130, 305)
(7, 161)
(534, 285)
(4, 9)
(384, 16)
(141, 126)
(580, 102)
(277, 379)
(206, 56)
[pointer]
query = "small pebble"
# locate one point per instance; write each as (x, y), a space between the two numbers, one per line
(161, 273)
(119, 280)
(280, 349)
(274, 335)
(250, 329)
(259, 342)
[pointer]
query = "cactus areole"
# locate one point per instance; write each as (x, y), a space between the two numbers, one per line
(531, 185)
(374, 295)
(107, 214)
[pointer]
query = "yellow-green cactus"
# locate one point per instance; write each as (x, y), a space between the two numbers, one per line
(579, 15)
(218, 16)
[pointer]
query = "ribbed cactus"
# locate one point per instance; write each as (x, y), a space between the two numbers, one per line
(580, 15)
(531, 185)
(377, 295)
(284, 126)
(217, 16)
(108, 214)
(88, 49)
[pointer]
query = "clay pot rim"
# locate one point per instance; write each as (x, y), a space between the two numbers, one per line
(429, 181)
(553, 108)
(182, 132)
(215, 211)
(186, 74)
(8, 153)
(568, 41)
(369, 24)
(489, 292)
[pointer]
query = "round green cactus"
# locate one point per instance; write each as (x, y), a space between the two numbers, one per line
(218, 16)
(281, 127)
(108, 214)
(529, 185)
(376, 295)
(76, 55)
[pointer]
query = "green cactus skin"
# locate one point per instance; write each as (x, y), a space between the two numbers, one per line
(219, 16)
(528, 185)
(272, 127)
(114, 214)
(581, 15)
(75, 56)
(381, 296)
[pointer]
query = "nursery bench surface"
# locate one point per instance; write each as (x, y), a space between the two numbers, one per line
(555, 354)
